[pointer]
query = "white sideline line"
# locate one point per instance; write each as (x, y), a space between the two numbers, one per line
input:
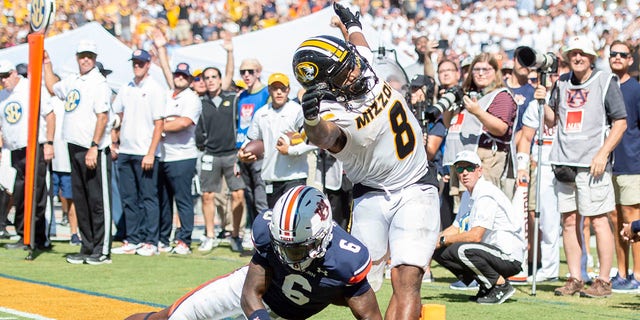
(23, 314)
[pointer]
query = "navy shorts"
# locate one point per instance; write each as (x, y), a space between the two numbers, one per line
(61, 182)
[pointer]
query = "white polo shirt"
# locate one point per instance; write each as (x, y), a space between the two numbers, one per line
(14, 117)
(85, 96)
(140, 105)
(181, 145)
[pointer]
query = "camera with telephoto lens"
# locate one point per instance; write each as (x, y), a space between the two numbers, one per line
(543, 62)
(451, 100)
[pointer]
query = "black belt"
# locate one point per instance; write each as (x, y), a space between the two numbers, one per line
(430, 178)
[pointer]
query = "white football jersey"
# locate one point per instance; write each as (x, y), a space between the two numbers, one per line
(384, 147)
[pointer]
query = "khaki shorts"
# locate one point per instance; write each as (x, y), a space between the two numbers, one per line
(591, 197)
(627, 189)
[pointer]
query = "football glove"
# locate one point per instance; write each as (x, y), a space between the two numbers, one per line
(311, 100)
(346, 16)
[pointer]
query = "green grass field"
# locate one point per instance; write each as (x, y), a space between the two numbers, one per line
(159, 280)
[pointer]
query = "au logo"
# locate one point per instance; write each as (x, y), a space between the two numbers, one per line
(13, 112)
(73, 99)
(306, 71)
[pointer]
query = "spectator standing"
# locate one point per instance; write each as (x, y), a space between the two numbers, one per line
(87, 99)
(254, 97)
(486, 241)
(178, 152)
(61, 174)
(581, 154)
(215, 135)
(285, 163)
(626, 169)
(140, 106)
(14, 125)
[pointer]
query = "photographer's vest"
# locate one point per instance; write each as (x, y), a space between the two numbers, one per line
(465, 130)
(582, 120)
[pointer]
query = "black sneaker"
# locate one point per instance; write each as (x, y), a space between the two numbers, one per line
(19, 245)
(224, 234)
(96, 259)
(65, 220)
(498, 294)
(236, 244)
(481, 293)
(4, 234)
(77, 258)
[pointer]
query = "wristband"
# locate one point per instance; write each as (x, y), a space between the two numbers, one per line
(146, 317)
(261, 314)
(94, 144)
(522, 161)
(442, 241)
(49, 142)
(354, 29)
(312, 122)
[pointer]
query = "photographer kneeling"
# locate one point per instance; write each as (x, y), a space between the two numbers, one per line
(486, 241)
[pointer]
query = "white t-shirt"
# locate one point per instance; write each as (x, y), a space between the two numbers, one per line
(268, 125)
(532, 120)
(489, 207)
(14, 115)
(181, 145)
(140, 106)
(85, 96)
(60, 162)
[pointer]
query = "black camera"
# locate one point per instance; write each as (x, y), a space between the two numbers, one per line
(543, 62)
(451, 100)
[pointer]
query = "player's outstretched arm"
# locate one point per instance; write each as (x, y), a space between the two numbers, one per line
(255, 286)
(365, 306)
(160, 315)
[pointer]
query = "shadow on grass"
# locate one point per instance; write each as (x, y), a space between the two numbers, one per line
(628, 306)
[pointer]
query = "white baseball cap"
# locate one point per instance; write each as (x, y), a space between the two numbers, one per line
(6, 66)
(87, 46)
(579, 43)
(468, 156)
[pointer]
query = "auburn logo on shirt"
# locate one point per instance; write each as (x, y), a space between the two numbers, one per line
(13, 112)
(577, 98)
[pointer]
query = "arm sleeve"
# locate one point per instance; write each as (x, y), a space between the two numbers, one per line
(614, 102)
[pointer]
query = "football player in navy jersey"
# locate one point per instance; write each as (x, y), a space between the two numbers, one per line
(303, 262)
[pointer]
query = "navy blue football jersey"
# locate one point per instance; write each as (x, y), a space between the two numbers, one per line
(291, 294)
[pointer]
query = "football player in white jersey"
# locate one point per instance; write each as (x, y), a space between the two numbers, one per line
(368, 125)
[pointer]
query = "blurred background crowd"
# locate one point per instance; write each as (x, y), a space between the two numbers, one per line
(468, 27)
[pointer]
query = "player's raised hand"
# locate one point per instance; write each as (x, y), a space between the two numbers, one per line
(346, 16)
(311, 100)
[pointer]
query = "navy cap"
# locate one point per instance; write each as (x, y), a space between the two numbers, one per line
(183, 68)
(141, 55)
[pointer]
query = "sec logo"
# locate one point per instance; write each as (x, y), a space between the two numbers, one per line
(41, 13)
(73, 99)
(13, 112)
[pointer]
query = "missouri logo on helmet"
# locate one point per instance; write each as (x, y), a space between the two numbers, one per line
(306, 71)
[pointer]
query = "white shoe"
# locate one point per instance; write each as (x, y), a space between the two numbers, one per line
(428, 277)
(148, 250)
(126, 248)
(181, 248)
(208, 244)
(247, 242)
(164, 248)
